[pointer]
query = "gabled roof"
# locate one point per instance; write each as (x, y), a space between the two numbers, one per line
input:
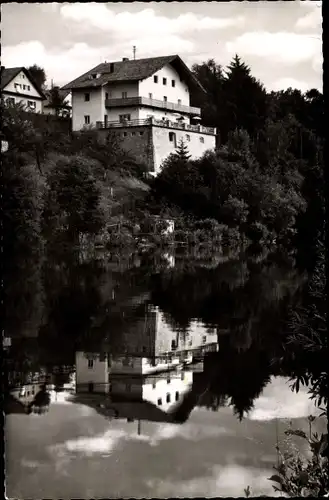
(129, 71)
(8, 74)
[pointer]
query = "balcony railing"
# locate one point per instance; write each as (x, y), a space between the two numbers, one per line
(152, 103)
(158, 123)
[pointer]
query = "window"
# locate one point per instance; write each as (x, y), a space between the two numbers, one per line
(173, 345)
(87, 97)
(124, 118)
(155, 78)
(204, 339)
(10, 100)
(159, 401)
(124, 95)
(106, 95)
(182, 376)
(150, 95)
(202, 139)
(28, 87)
(179, 101)
(23, 76)
(188, 138)
(177, 396)
(173, 83)
(133, 133)
(168, 398)
(90, 363)
(164, 81)
(142, 133)
(24, 86)
(172, 138)
(165, 98)
(94, 76)
(168, 380)
(17, 85)
(125, 134)
(154, 385)
(31, 104)
(87, 120)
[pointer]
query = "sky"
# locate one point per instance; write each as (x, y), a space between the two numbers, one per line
(281, 41)
(74, 452)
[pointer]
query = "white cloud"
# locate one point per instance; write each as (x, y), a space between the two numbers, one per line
(226, 481)
(311, 20)
(285, 83)
(62, 65)
(144, 23)
(280, 47)
(278, 401)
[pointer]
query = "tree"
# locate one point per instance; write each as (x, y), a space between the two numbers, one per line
(182, 152)
(73, 200)
(57, 100)
(211, 77)
(39, 75)
(244, 100)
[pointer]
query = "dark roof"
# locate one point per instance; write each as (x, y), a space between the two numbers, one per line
(131, 70)
(7, 74)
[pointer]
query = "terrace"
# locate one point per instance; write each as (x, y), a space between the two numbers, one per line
(151, 103)
(157, 123)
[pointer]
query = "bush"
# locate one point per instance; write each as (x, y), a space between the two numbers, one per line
(300, 476)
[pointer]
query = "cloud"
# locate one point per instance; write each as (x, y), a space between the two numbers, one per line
(277, 401)
(282, 47)
(105, 443)
(60, 65)
(226, 481)
(311, 20)
(285, 83)
(144, 23)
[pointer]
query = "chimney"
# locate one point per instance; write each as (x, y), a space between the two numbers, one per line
(125, 59)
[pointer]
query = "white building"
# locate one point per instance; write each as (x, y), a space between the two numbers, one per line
(146, 102)
(151, 347)
(17, 86)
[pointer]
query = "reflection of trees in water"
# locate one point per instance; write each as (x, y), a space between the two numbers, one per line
(96, 305)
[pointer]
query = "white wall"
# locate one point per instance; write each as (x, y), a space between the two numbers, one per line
(159, 114)
(115, 90)
(163, 146)
(113, 114)
(30, 94)
(158, 90)
(196, 337)
(179, 382)
(95, 108)
(98, 374)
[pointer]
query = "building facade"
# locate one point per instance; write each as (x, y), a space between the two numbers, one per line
(152, 347)
(146, 103)
(17, 86)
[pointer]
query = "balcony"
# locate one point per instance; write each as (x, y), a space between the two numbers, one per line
(151, 103)
(201, 129)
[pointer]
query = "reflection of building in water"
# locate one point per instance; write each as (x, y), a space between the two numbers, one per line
(150, 346)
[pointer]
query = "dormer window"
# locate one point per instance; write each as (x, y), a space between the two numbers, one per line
(111, 67)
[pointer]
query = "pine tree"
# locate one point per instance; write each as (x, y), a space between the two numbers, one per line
(181, 152)
(244, 100)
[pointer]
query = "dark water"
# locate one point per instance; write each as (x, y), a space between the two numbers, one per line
(164, 376)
